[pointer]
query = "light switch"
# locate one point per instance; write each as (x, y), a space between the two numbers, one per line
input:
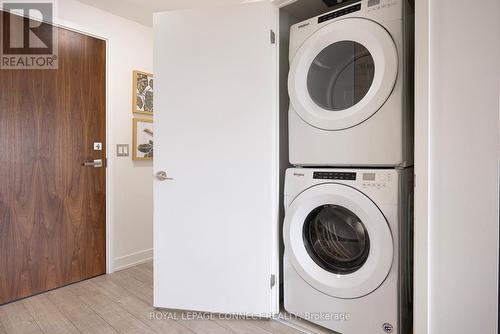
(122, 150)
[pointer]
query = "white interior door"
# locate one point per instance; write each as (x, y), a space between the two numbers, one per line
(216, 136)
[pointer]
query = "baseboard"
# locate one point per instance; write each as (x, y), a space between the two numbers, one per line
(302, 325)
(294, 326)
(130, 260)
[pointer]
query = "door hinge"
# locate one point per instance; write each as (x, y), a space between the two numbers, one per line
(273, 37)
(273, 280)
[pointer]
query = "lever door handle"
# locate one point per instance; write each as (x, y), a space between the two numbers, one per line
(95, 163)
(162, 176)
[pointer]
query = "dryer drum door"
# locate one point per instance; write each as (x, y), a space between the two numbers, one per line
(343, 74)
(338, 241)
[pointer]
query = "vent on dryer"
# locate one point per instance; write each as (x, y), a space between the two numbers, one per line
(339, 3)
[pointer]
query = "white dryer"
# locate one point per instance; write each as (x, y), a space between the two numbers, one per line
(348, 252)
(350, 86)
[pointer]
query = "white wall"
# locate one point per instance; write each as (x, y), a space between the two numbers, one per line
(130, 47)
(457, 137)
(421, 207)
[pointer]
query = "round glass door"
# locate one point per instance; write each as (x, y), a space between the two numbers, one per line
(336, 239)
(340, 76)
(343, 74)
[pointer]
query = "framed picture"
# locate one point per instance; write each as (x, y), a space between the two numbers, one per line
(142, 93)
(142, 139)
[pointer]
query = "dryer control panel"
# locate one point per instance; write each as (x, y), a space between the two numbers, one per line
(339, 13)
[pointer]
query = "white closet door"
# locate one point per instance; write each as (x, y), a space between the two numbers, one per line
(216, 136)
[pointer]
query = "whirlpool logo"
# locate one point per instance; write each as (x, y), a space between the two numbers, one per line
(27, 40)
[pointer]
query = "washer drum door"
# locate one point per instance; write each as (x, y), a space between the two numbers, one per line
(338, 240)
(343, 74)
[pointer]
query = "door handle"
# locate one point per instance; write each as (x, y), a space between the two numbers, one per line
(95, 163)
(162, 176)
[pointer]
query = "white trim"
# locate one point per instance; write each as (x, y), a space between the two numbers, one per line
(282, 3)
(422, 151)
(275, 232)
(134, 259)
(498, 229)
(109, 183)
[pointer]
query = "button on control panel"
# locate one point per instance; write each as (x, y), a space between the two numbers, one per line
(334, 176)
(376, 180)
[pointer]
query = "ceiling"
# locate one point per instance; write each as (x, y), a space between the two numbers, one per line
(141, 11)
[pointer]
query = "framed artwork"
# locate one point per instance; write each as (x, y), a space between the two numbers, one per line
(142, 94)
(142, 139)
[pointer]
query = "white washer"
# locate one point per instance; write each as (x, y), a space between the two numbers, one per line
(350, 86)
(348, 252)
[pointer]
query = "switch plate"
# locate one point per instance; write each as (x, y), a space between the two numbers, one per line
(122, 150)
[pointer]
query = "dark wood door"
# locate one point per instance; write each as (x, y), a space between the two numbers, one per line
(52, 208)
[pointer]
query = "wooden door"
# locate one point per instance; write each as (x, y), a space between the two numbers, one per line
(52, 208)
(216, 136)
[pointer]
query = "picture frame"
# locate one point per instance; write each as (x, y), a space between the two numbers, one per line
(142, 139)
(142, 93)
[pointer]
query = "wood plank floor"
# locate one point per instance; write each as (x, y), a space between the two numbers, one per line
(116, 303)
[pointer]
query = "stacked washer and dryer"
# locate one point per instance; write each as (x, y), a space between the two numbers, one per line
(348, 200)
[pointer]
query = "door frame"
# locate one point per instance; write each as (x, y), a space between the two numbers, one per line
(109, 192)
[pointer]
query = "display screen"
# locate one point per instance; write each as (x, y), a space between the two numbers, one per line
(368, 176)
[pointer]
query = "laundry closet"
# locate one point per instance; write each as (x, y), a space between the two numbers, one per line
(286, 135)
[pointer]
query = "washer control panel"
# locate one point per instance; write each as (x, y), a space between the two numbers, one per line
(381, 4)
(376, 180)
(334, 176)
